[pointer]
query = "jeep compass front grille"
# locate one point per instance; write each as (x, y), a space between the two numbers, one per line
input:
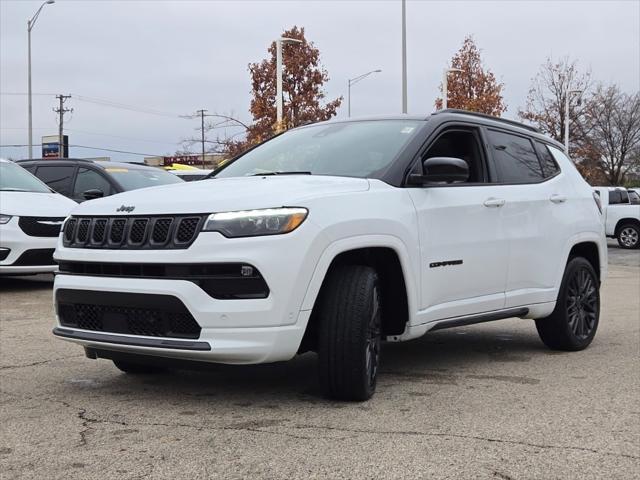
(177, 231)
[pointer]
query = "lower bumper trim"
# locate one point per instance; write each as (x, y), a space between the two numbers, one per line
(131, 341)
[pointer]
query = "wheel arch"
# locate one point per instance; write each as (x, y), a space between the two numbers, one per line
(390, 260)
(625, 221)
(590, 245)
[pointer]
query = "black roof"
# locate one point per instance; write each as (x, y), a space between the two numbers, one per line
(456, 114)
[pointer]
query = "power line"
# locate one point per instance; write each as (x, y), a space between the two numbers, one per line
(20, 145)
(96, 133)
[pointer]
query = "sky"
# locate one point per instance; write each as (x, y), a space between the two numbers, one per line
(167, 59)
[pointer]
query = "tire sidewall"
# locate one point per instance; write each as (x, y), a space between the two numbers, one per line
(637, 230)
(573, 267)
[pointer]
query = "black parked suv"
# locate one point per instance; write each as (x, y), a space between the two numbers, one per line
(83, 180)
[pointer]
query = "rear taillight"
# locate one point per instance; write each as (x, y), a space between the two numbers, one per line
(596, 198)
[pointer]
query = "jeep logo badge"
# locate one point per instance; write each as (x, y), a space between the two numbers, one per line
(126, 208)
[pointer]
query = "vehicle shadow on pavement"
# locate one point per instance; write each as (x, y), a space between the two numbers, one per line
(23, 283)
(439, 358)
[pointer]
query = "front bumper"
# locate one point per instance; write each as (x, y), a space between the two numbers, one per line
(13, 238)
(236, 331)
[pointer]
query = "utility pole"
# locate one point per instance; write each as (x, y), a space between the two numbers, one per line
(61, 111)
(201, 113)
(404, 56)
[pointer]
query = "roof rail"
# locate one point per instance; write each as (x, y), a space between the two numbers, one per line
(488, 117)
(55, 159)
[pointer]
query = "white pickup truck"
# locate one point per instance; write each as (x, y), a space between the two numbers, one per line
(621, 216)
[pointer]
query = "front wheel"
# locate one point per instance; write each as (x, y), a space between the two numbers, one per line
(629, 236)
(350, 333)
(574, 321)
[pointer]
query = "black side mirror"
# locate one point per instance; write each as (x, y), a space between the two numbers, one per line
(441, 169)
(92, 193)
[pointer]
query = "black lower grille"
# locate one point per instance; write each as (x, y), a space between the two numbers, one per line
(227, 281)
(178, 231)
(35, 257)
(41, 226)
(126, 313)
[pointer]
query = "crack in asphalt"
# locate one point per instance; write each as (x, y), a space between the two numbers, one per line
(469, 437)
(41, 362)
(87, 420)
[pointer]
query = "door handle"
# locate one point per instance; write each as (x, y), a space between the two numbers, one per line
(494, 202)
(558, 198)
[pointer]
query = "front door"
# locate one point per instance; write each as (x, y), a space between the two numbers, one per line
(462, 239)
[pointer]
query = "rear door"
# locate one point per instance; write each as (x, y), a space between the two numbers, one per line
(537, 215)
(462, 240)
(58, 177)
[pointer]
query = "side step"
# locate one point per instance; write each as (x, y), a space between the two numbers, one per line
(483, 317)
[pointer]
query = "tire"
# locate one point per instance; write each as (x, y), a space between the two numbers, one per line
(349, 333)
(574, 321)
(629, 236)
(138, 368)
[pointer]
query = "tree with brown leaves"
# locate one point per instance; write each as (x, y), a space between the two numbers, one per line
(475, 88)
(303, 78)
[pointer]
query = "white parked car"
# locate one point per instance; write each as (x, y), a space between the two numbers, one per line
(621, 216)
(332, 238)
(31, 216)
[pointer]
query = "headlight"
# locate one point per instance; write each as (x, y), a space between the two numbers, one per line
(251, 223)
(4, 219)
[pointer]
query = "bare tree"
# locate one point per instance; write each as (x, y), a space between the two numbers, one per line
(613, 141)
(546, 101)
(220, 130)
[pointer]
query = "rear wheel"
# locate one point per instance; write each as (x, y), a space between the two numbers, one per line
(574, 321)
(350, 333)
(138, 368)
(629, 236)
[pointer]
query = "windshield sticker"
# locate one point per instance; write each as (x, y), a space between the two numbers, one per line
(407, 130)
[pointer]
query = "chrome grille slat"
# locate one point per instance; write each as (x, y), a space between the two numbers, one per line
(134, 232)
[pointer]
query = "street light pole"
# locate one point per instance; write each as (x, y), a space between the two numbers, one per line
(279, 127)
(30, 23)
(566, 117)
(445, 85)
(353, 81)
(404, 56)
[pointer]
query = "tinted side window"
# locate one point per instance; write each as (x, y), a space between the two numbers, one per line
(618, 196)
(624, 196)
(614, 197)
(549, 165)
(88, 179)
(516, 160)
(58, 178)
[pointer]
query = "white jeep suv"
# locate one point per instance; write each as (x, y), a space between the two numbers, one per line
(332, 238)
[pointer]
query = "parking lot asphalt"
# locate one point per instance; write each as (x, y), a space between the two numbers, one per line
(485, 401)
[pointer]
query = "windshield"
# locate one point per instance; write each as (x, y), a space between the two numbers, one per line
(134, 178)
(353, 149)
(14, 178)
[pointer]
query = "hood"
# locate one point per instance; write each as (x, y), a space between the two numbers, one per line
(223, 194)
(34, 204)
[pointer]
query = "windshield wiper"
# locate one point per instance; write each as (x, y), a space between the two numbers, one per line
(280, 173)
(9, 189)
